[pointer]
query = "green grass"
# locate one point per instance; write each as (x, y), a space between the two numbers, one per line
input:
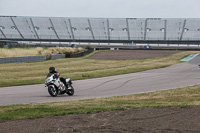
(80, 68)
(182, 97)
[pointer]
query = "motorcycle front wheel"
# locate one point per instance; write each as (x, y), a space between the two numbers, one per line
(70, 91)
(52, 91)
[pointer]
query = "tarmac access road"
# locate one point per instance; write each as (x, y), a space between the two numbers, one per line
(175, 76)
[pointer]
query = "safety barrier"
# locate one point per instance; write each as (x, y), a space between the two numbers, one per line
(22, 59)
(57, 56)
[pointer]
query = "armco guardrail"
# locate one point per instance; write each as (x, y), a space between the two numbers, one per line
(23, 59)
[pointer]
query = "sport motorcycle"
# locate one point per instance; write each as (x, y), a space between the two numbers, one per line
(57, 87)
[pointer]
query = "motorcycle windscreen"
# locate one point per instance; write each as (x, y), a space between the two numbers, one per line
(49, 75)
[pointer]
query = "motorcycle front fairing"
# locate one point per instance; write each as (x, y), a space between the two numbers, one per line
(49, 79)
(52, 80)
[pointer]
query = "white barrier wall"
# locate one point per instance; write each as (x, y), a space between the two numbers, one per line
(57, 56)
(23, 59)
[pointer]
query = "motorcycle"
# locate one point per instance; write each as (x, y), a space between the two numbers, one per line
(57, 87)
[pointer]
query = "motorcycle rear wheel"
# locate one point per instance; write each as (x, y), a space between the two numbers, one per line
(70, 91)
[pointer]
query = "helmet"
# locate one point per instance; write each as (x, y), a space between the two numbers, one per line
(52, 68)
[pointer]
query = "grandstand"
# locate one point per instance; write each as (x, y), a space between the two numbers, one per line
(106, 30)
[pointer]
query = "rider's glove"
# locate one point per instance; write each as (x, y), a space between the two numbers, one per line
(56, 75)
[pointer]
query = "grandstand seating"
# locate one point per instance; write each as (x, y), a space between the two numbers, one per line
(39, 28)
(8, 28)
(62, 28)
(23, 24)
(192, 30)
(118, 29)
(136, 29)
(99, 28)
(174, 29)
(155, 30)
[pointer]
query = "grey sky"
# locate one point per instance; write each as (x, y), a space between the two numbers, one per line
(102, 8)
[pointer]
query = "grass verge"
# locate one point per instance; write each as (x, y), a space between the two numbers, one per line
(81, 68)
(182, 97)
(13, 52)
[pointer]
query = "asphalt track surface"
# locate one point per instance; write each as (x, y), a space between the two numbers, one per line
(175, 76)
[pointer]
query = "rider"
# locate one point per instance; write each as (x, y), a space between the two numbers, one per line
(56, 74)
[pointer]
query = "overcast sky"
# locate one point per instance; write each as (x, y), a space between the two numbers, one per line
(102, 8)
